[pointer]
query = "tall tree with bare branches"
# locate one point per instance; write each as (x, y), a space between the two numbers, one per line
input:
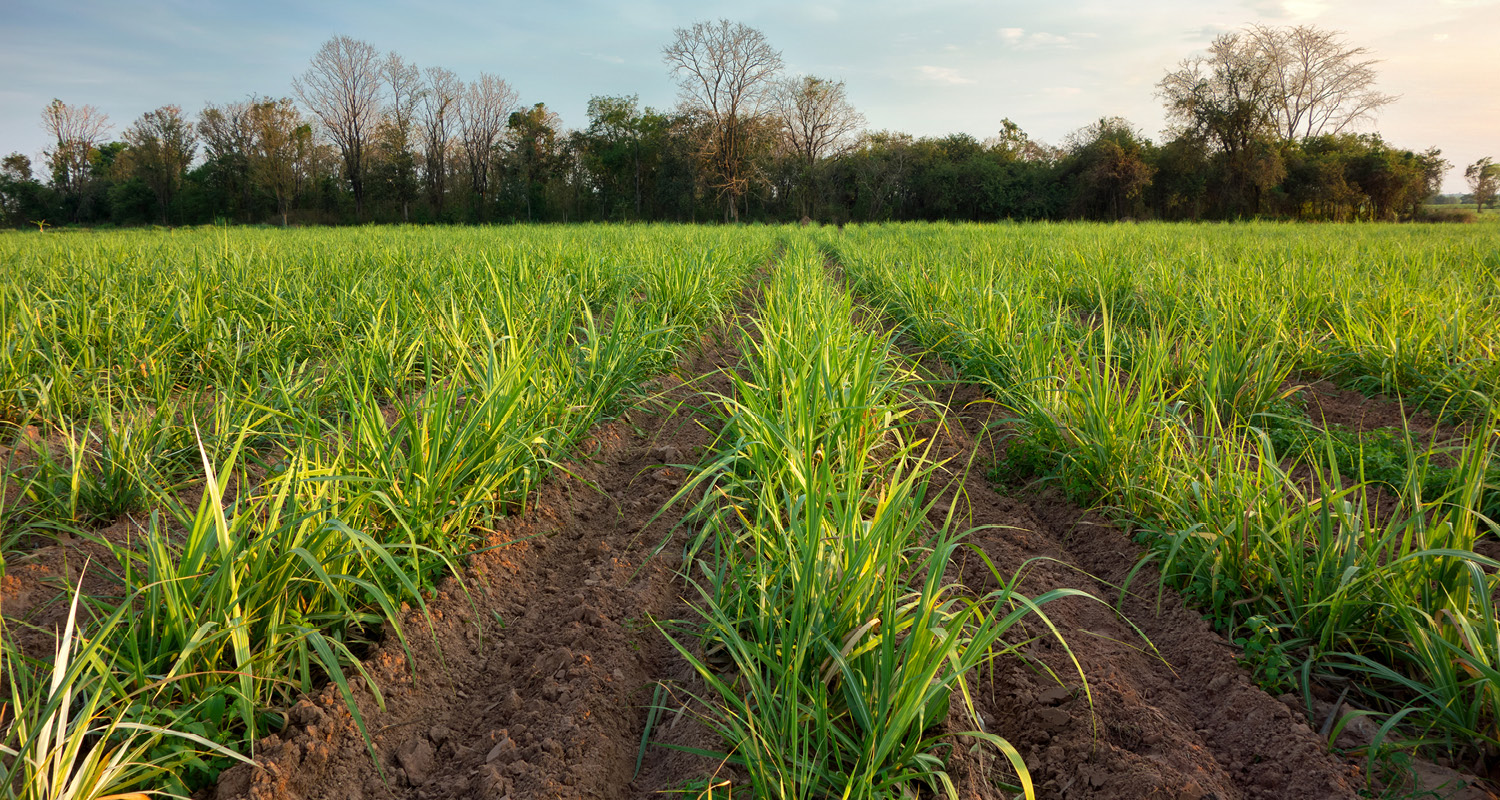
(439, 107)
(483, 114)
(342, 87)
(404, 82)
(725, 72)
(1321, 84)
(76, 132)
(1228, 98)
(162, 145)
(817, 122)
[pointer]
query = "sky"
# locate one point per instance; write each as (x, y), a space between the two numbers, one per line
(929, 68)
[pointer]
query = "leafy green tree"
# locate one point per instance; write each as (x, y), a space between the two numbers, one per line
(1483, 177)
(161, 146)
(1353, 176)
(1108, 164)
(532, 135)
(21, 199)
(879, 170)
(281, 149)
(1180, 188)
(611, 147)
(1318, 183)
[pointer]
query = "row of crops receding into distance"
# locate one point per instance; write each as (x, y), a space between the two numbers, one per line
(236, 463)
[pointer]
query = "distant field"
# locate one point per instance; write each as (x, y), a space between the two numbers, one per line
(1489, 214)
(468, 510)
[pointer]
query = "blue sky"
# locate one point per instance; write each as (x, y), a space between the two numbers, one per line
(930, 68)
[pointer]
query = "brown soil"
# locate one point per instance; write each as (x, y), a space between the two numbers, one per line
(536, 676)
(537, 682)
(537, 671)
(38, 579)
(1182, 720)
(38, 584)
(1328, 404)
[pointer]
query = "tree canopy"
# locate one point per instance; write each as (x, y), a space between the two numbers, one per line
(1267, 121)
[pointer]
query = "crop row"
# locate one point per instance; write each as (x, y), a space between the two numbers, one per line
(832, 642)
(353, 410)
(1149, 374)
(1406, 311)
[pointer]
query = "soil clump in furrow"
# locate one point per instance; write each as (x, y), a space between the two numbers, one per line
(537, 673)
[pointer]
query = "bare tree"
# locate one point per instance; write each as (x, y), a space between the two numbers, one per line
(441, 99)
(404, 81)
(278, 156)
(486, 108)
(1228, 99)
(817, 122)
(1484, 181)
(1322, 85)
(1226, 95)
(817, 115)
(162, 145)
(76, 132)
(342, 87)
(725, 72)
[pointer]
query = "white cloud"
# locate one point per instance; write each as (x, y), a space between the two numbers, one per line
(1019, 38)
(1440, 37)
(946, 75)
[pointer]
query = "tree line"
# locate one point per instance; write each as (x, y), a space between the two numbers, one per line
(1265, 123)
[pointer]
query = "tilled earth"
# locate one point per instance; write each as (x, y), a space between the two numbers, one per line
(538, 672)
(1175, 718)
(537, 675)
(533, 673)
